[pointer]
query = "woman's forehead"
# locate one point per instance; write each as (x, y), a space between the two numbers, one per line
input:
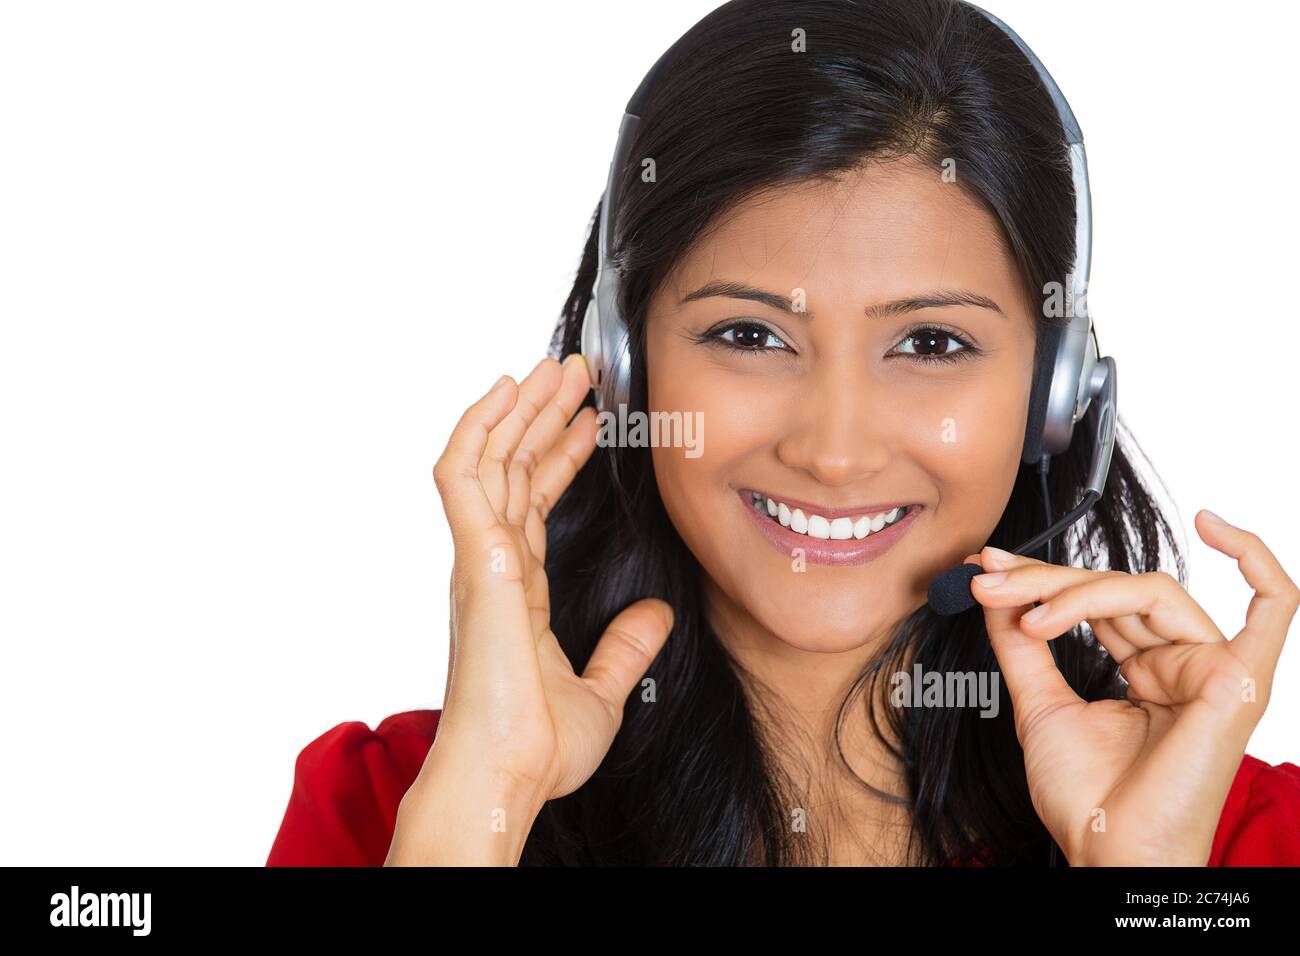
(881, 231)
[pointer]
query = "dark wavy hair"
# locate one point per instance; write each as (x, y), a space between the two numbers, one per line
(692, 778)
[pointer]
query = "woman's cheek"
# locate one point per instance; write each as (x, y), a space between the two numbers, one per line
(972, 454)
(700, 493)
(730, 426)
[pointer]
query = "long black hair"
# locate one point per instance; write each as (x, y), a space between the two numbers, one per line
(691, 778)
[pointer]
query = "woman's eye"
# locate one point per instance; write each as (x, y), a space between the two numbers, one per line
(748, 337)
(936, 345)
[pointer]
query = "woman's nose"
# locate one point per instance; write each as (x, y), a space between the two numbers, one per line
(843, 429)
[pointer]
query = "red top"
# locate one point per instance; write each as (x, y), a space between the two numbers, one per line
(348, 782)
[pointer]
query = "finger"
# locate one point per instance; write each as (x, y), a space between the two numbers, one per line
(543, 433)
(1143, 685)
(467, 506)
(1121, 636)
(1034, 682)
(555, 473)
(1124, 634)
(1259, 643)
(1176, 674)
(1151, 677)
(1117, 645)
(1165, 607)
(562, 463)
(1041, 581)
(534, 392)
(995, 559)
(1027, 583)
(1129, 629)
(627, 649)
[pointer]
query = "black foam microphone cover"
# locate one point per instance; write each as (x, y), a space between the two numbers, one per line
(950, 592)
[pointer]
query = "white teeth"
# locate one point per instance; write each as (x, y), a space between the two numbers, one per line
(816, 526)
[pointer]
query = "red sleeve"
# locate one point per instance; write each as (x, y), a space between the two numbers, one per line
(347, 784)
(1260, 824)
(1260, 821)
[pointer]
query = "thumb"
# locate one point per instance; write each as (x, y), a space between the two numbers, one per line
(1034, 681)
(627, 649)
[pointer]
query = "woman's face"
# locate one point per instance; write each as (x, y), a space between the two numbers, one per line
(803, 335)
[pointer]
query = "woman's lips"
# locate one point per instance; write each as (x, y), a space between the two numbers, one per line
(841, 553)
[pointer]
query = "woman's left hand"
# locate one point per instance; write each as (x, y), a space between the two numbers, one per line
(1140, 781)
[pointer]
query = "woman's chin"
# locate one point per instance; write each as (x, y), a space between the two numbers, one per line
(828, 631)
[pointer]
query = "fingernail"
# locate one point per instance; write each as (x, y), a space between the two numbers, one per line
(499, 382)
(1212, 516)
(1036, 614)
(991, 580)
(997, 554)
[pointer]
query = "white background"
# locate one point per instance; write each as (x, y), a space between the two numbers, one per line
(256, 257)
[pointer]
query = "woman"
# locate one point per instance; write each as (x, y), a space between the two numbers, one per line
(677, 655)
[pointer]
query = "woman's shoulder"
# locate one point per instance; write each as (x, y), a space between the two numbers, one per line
(1260, 822)
(347, 785)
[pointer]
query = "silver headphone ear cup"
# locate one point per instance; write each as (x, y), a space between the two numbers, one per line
(1062, 388)
(1087, 387)
(1040, 395)
(604, 336)
(591, 348)
(618, 372)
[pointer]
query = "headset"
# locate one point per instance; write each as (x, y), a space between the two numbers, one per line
(1069, 374)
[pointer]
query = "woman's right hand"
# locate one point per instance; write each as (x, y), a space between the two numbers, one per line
(518, 726)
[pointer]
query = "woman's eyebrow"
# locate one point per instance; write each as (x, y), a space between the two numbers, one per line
(883, 310)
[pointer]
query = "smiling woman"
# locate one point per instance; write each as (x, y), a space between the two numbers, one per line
(662, 658)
